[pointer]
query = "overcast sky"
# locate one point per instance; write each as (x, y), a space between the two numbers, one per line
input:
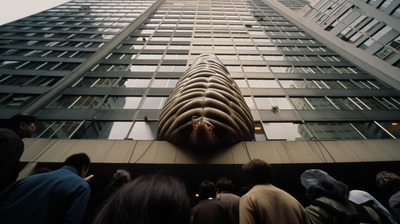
(11, 10)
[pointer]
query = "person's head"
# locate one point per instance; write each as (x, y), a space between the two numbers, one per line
(388, 181)
(207, 189)
(257, 171)
(120, 177)
(80, 161)
(23, 125)
(148, 199)
(319, 183)
(224, 184)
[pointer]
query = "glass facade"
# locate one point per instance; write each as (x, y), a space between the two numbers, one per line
(296, 88)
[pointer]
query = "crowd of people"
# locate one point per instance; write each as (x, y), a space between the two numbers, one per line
(64, 195)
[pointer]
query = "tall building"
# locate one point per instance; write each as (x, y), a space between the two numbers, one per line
(97, 73)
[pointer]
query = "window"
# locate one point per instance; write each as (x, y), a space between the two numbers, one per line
(143, 68)
(14, 80)
(262, 83)
(154, 102)
(266, 103)
(143, 131)
(96, 82)
(76, 102)
(44, 81)
(134, 83)
(172, 68)
(17, 101)
(164, 83)
(121, 102)
(249, 68)
(284, 131)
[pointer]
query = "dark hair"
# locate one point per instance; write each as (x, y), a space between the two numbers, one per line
(16, 120)
(224, 184)
(257, 171)
(388, 181)
(149, 199)
(207, 189)
(120, 177)
(78, 161)
(335, 190)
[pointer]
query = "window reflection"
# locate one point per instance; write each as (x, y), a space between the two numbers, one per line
(144, 131)
(121, 102)
(17, 101)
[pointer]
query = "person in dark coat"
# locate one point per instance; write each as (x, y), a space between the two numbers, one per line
(210, 210)
(59, 196)
(11, 147)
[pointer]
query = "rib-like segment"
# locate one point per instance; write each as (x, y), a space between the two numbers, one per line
(206, 110)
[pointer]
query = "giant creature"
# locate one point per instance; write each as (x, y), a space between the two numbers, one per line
(206, 110)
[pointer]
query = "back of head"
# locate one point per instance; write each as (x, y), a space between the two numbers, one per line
(16, 120)
(207, 189)
(224, 184)
(319, 183)
(257, 171)
(120, 177)
(78, 161)
(388, 181)
(149, 199)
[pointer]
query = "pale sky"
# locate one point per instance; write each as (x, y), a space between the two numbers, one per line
(11, 10)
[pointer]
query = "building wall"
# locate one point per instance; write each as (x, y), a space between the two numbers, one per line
(116, 90)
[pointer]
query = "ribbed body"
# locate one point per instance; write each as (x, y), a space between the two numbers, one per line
(206, 109)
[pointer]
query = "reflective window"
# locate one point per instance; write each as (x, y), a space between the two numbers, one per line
(172, 68)
(320, 103)
(164, 83)
(143, 68)
(154, 102)
(241, 83)
(370, 130)
(262, 83)
(267, 103)
(335, 131)
(138, 83)
(76, 102)
(121, 102)
(119, 130)
(284, 131)
(17, 101)
(143, 131)
(56, 129)
(96, 82)
(249, 68)
(44, 81)
(14, 80)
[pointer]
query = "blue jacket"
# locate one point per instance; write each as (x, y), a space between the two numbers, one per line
(59, 196)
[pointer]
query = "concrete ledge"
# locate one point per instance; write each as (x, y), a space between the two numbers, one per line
(162, 152)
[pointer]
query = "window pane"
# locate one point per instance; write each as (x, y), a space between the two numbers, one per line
(284, 131)
(264, 103)
(392, 127)
(17, 101)
(370, 130)
(300, 104)
(154, 102)
(121, 102)
(139, 83)
(119, 130)
(320, 103)
(144, 131)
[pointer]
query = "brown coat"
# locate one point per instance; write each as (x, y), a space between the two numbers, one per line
(268, 204)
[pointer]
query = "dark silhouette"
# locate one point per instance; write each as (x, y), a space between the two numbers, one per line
(59, 196)
(150, 199)
(11, 146)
